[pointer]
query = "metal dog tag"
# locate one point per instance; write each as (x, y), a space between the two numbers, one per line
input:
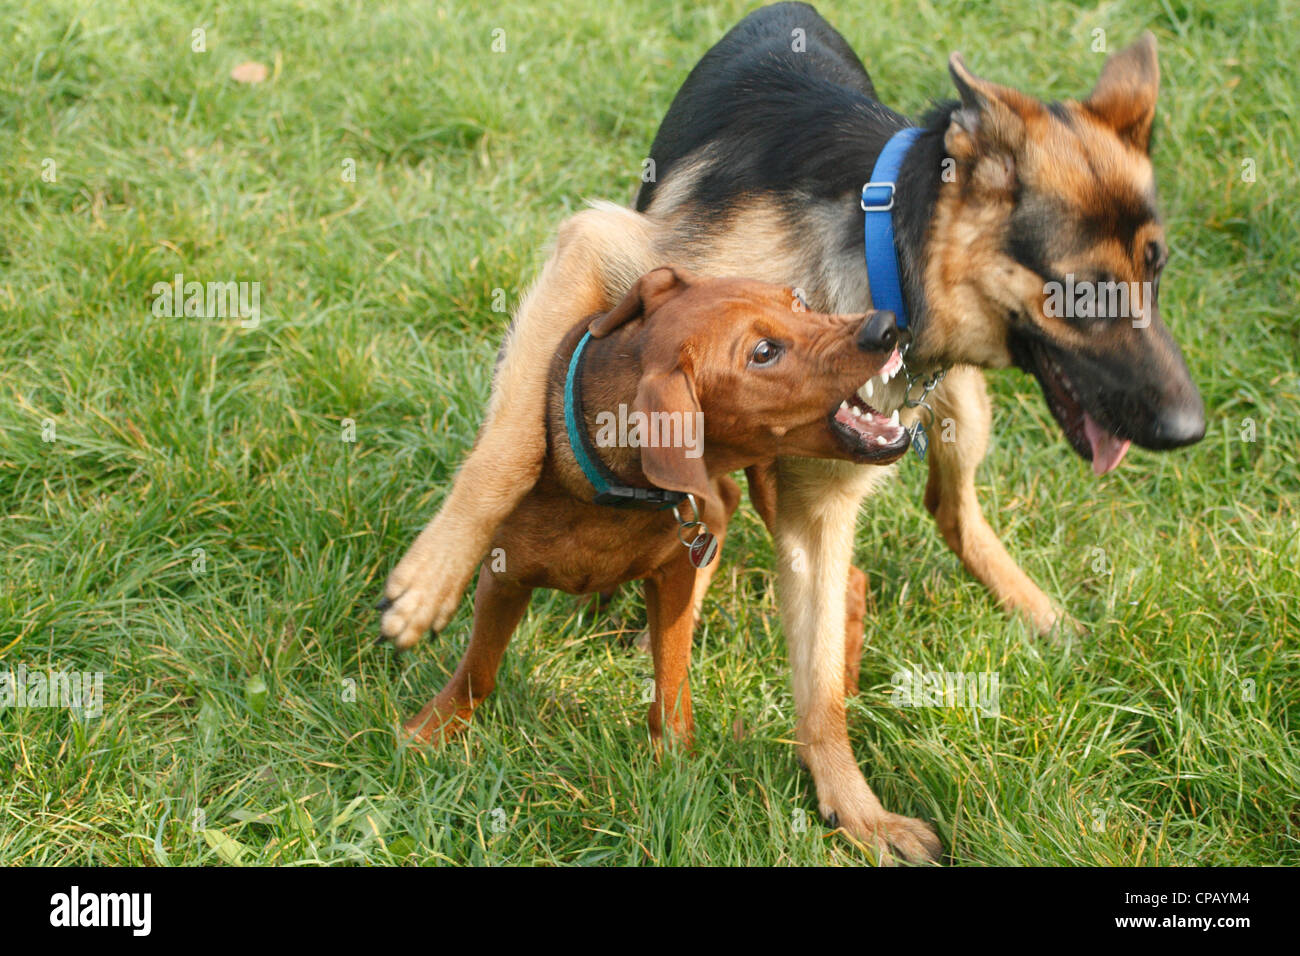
(703, 549)
(920, 442)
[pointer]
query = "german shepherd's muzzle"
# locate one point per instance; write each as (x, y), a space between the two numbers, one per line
(1107, 395)
(1107, 364)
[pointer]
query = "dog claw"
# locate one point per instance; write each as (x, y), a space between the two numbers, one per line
(385, 639)
(384, 604)
(833, 820)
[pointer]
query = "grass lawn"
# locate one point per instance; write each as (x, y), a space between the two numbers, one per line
(204, 512)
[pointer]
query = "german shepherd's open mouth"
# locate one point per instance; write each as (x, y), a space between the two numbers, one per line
(870, 435)
(1094, 440)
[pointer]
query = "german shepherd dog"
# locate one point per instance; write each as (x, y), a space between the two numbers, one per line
(758, 172)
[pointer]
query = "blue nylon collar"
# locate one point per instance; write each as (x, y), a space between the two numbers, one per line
(608, 491)
(878, 225)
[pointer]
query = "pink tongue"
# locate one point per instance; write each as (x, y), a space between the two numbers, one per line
(1107, 449)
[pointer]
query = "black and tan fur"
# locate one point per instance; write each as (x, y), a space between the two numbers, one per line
(759, 162)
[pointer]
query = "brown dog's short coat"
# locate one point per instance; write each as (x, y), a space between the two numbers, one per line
(722, 375)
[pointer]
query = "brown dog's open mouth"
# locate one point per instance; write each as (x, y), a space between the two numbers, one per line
(868, 434)
(1091, 440)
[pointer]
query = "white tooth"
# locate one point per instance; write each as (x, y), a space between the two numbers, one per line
(857, 412)
(844, 404)
(869, 388)
(881, 440)
(893, 419)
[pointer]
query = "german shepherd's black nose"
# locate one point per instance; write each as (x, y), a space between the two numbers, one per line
(1178, 425)
(878, 332)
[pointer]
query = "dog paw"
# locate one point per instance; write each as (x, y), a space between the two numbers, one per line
(422, 593)
(411, 608)
(433, 726)
(1056, 623)
(1060, 627)
(894, 838)
(407, 617)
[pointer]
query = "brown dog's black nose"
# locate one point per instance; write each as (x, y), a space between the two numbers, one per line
(879, 332)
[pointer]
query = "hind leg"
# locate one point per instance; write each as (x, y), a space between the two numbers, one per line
(599, 253)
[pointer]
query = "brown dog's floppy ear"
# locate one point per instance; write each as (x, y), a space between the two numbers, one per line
(1125, 94)
(672, 440)
(647, 294)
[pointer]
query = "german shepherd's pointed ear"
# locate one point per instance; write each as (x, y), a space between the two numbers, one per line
(648, 293)
(1125, 95)
(672, 452)
(989, 124)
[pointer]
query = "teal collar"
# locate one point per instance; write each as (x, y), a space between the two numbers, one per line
(608, 490)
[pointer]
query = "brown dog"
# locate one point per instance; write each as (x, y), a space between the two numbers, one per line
(682, 382)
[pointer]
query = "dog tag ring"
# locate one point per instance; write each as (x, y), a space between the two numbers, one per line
(703, 549)
(920, 442)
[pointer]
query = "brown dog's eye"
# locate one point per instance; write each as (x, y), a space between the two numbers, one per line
(765, 353)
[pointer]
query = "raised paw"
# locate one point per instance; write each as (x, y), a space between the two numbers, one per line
(417, 600)
(407, 616)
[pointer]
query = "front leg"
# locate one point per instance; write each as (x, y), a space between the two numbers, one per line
(762, 481)
(950, 496)
(498, 609)
(727, 493)
(817, 506)
(670, 611)
(598, 254)
(855, 631)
